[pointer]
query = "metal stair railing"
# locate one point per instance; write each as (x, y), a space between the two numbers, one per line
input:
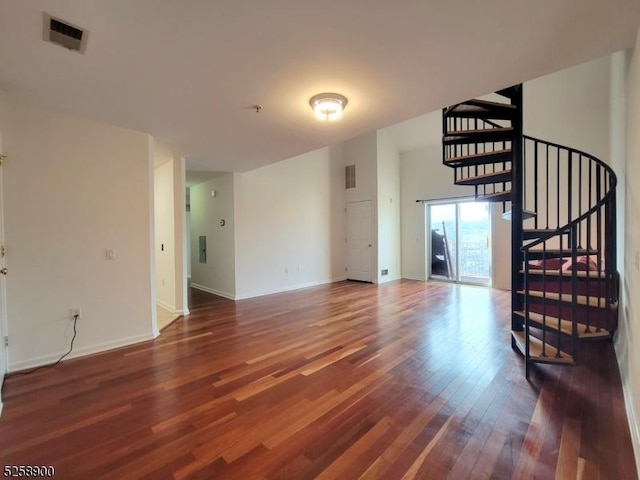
(573, 195)
(451, 125)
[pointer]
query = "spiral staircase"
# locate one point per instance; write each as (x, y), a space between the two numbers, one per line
(562, 206)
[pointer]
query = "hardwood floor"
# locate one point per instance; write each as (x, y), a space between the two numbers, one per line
(344, 381)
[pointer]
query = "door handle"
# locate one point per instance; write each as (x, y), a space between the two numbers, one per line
(4, 271)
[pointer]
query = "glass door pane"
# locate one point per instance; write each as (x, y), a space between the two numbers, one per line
(443, 241)
(474, 231)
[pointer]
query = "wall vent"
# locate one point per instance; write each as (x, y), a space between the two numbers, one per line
(350, 176)
(63, 33)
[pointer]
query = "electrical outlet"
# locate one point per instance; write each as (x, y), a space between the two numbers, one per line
(75, 311)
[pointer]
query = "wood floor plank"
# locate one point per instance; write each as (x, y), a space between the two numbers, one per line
(348, 380)
(568, 457)
(339, 468)
(415, 467)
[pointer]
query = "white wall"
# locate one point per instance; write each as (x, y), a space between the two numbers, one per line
(412, 215)
(74, 189)
(618, 140)
(388, 195)
(628, 335)
(290, 224)
(500, 249)
(164, 235)
(571, 107)
(362, 152)
(217, 275)
(170, 234)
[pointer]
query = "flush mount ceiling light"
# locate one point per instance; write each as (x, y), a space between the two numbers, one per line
(328, 106)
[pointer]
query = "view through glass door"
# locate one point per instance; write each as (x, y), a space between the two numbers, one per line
(460, 242)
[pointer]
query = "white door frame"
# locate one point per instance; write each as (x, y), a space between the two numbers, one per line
(427, 245)
(4, 357)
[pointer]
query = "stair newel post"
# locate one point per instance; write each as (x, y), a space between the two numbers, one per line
(526, 313)
(557, 188)
(580, 193)
(570, 186)
(517, 167)
(600, 244)
(444, 132)
(543, 353)
(535, 183)
(570, 240)
(547, 195)
(611, 261)
(574, 290)
(610, 247)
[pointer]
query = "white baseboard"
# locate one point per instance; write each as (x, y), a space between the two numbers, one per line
(79, 352)
(388, 278)
(632, 418)
(410, 277)
(633, 423)
(262, 293)
(166, 306)
(213, 291)
(170, 309)
(290, 288)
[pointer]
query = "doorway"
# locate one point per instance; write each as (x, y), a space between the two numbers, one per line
(360, 241)
(459, 244)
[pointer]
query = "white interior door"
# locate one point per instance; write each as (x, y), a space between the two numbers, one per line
(359, 241)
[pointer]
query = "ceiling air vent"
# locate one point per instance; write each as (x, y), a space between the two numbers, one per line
(64, 34)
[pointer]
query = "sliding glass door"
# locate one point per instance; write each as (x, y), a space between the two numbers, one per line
(459, 243)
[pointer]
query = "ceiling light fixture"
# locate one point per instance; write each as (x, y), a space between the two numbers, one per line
(328, 106)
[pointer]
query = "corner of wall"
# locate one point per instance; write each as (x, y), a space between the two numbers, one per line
(180, 235)
(101, 201)
(621, 349)
(625, 120)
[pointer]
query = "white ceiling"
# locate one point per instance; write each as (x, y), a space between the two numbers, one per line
(189, 71)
